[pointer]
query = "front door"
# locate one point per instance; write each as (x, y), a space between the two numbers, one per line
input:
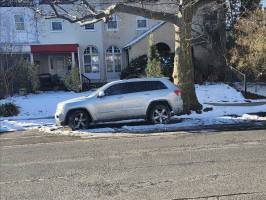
(58, 65)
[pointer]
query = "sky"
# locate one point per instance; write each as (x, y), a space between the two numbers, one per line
(264, 3)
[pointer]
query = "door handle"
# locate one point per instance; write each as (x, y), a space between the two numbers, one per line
(120, 97)
(147, 94)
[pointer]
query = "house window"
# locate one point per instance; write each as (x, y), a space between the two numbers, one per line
(19, 22)
(113, 59)
(89, 27)
(91, 60)
(112, 24)
(56, 26)
(142, 23)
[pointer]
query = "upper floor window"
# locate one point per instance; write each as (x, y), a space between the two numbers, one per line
(142, 23)
(56, 26)
(19, 22)
(89, 27)
(91, 60)
(112, 24)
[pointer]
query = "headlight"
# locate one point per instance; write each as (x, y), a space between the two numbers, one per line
(60, 107)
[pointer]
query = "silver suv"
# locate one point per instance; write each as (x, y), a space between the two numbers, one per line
(153, 99)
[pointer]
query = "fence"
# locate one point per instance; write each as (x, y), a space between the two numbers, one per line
(238, 79)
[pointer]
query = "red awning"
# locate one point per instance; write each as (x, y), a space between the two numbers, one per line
(54, 48)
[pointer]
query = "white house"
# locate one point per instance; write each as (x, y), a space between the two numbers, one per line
(100, 50)
(18, 30)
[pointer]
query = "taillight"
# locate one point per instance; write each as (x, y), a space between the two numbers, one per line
(178, 92)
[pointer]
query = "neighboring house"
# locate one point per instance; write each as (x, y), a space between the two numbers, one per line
(18, 30)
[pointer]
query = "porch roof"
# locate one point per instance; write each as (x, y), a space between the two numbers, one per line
(142, 36)
(54, 48)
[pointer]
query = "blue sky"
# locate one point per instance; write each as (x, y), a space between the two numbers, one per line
(264, 3)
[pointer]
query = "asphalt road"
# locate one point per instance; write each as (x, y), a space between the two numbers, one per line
(183, 165)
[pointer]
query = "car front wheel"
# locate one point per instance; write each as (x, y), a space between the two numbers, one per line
(78, 119)
(159, 114)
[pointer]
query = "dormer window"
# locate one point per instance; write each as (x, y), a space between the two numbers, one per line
(142, 23)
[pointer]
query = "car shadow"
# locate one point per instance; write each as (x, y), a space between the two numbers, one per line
(120, 124)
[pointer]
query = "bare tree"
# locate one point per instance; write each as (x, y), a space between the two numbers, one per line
(177, 12)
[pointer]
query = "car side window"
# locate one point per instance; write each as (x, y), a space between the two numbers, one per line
(155, 85)
(116, 89)
(144, 86)
(132, 87)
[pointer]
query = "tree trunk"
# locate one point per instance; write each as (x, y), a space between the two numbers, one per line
(183, 74)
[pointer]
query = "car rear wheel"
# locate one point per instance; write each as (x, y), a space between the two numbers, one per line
(78, 119)
(159, 114)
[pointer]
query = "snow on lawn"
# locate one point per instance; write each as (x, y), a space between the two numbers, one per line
(41, 105)
(215, 93)
(37, 110)
(255, 88)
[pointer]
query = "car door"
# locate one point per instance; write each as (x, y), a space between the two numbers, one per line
(121, 101)
(109, 107)
(135, 99)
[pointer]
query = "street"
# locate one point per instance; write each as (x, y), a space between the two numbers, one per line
(213, 165)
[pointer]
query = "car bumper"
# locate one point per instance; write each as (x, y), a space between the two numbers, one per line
(60, 119)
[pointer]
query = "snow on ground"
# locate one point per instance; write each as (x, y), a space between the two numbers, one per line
(255, 88)
(41, 105)
(37, 111)
(213, 93)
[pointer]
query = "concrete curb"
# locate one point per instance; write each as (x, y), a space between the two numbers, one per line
(238, 104)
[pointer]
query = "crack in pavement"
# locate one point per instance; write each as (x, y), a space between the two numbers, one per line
(218, 196)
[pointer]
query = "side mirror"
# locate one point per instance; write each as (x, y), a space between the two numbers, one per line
(101, 94)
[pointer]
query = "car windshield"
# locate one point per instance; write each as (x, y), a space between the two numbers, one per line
(95, 93)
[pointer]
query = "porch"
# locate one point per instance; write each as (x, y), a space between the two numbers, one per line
(54, 61)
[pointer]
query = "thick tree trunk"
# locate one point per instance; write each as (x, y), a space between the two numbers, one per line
(183, 74)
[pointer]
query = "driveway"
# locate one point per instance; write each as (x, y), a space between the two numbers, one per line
(182, 165)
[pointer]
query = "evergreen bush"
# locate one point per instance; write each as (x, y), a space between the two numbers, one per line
(8, 110)
(136, 68)
(154, 64)
(72, 80)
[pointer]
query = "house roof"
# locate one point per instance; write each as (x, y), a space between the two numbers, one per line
(143, 35)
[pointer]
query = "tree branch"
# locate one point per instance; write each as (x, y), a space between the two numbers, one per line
(95, 16)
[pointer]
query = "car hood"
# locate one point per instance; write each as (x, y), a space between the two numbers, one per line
(75, 100)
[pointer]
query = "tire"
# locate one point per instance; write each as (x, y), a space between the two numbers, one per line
(159, 114)
(78, 119)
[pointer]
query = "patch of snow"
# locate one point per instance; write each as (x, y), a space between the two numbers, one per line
(41, 105)
(19, 125)
(249, 117)
(218, 92)
(255, 88)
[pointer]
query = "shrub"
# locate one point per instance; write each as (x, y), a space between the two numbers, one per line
(154, 64)
(136, 68)
(27, 77)
(16, 73)
(72, 80)
(8, 109)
